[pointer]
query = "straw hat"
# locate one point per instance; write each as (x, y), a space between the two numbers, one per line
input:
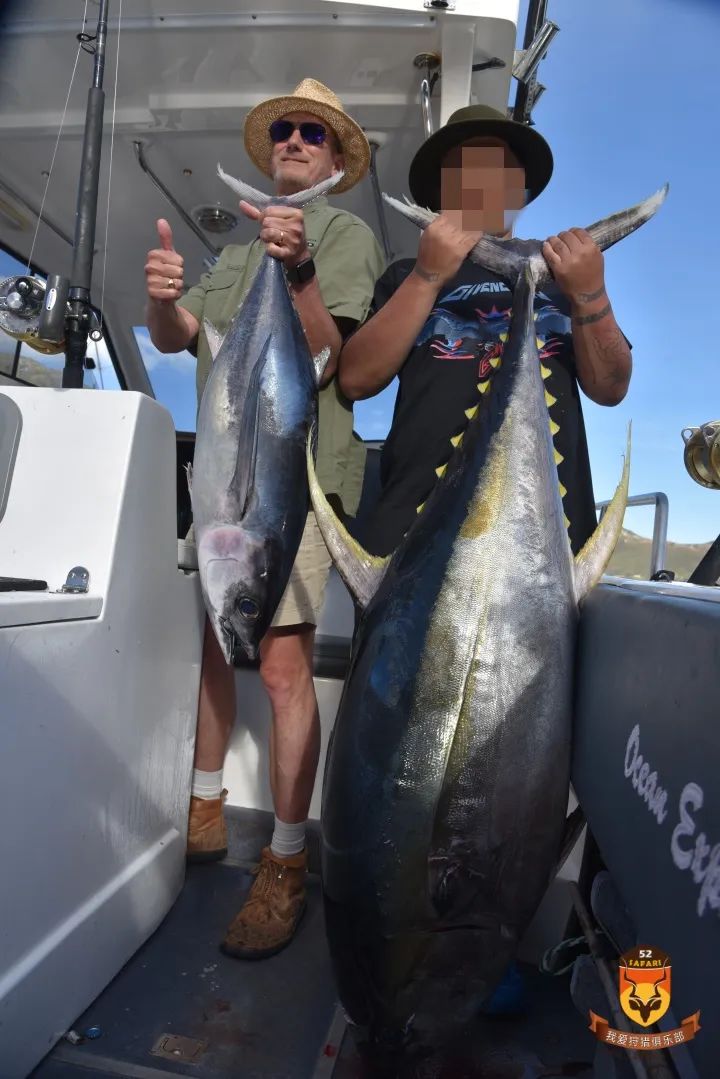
(309, 96)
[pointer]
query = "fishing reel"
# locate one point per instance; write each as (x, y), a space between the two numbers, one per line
(702, 453)
(34, 311)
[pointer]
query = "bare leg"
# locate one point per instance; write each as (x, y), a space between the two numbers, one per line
(216, 709)
(271, 913)
(286, 665)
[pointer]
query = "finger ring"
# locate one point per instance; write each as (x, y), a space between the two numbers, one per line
(171, 283)
(282, 237)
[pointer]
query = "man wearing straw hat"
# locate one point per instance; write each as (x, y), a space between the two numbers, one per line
(331, 260)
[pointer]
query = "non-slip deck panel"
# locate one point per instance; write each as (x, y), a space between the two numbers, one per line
(260, 1019)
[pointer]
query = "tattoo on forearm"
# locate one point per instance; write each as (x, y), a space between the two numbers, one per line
(609, 359)
(586, 320)
(589, 297)
(618, 376)
(425, 274)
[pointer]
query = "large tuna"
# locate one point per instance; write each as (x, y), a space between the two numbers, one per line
(249, 480)
(447, 780)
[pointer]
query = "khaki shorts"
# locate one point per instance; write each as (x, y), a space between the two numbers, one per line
(303, 599)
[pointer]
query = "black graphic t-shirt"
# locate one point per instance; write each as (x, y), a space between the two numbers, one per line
(460, 346)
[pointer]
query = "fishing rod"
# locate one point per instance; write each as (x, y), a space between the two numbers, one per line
(56, 315)
(76, 314)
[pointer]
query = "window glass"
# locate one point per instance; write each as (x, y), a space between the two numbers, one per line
(27, 366)
(172, 375)
(173, 381)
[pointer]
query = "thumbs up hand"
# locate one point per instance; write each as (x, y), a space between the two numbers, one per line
(164, 268)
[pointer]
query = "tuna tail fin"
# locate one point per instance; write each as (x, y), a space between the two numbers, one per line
(214, 338)
(261, 201)
(494, 255)
(499, 256)
(595, 555)
(611, 229)
(361, 572)
(419, 216)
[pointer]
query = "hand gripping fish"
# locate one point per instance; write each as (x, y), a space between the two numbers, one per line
(446, 784)
(248, 485)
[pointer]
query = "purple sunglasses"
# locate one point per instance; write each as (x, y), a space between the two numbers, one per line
(312, 133)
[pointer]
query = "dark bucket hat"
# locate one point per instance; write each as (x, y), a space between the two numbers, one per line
(475, 121)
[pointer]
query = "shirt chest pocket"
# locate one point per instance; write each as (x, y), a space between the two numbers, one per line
(218, 295)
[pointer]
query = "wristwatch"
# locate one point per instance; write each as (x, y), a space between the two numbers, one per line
(304, 271)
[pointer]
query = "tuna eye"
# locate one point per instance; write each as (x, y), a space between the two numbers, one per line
(249, 609)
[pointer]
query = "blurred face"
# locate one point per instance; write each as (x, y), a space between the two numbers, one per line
(297, 164)
(482, 185)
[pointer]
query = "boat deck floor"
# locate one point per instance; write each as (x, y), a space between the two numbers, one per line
(276, 1019)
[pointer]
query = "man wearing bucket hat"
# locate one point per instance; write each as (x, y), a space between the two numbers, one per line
(439, 322)
(331, 260)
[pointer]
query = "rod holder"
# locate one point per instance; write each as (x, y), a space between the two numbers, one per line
(530, 58)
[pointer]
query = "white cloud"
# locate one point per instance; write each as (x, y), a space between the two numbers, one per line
(152, 358)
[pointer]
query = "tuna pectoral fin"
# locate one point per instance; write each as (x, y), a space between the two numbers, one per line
(244, 478)
(360, 571)
(214, 338)
(597, 552)
(320, 362)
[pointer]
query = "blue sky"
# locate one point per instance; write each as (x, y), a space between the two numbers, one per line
(630, 100)
(628, 106)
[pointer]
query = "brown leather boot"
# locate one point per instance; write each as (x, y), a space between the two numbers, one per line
(271, 913)
(207, 834)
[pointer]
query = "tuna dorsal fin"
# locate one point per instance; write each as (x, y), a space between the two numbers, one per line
(361, 572)
(595, 555)
(214, 338)
(261, 201)
(244, 478)
(320, 362)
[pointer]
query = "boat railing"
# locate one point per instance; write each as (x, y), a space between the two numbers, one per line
(660, 525)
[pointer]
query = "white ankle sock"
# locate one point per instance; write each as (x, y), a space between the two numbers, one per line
(288, 839)
(206, 785)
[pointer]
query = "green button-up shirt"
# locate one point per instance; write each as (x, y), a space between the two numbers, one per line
(348, 261)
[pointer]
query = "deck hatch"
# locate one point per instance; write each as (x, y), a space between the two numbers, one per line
(178, 1047)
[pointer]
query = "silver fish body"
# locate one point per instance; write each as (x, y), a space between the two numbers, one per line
(249, 478)
(447, 778)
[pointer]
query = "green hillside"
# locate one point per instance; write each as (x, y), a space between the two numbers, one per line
(45, 371)
(632, 557)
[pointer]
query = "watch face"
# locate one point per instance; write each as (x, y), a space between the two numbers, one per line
(303, 272)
